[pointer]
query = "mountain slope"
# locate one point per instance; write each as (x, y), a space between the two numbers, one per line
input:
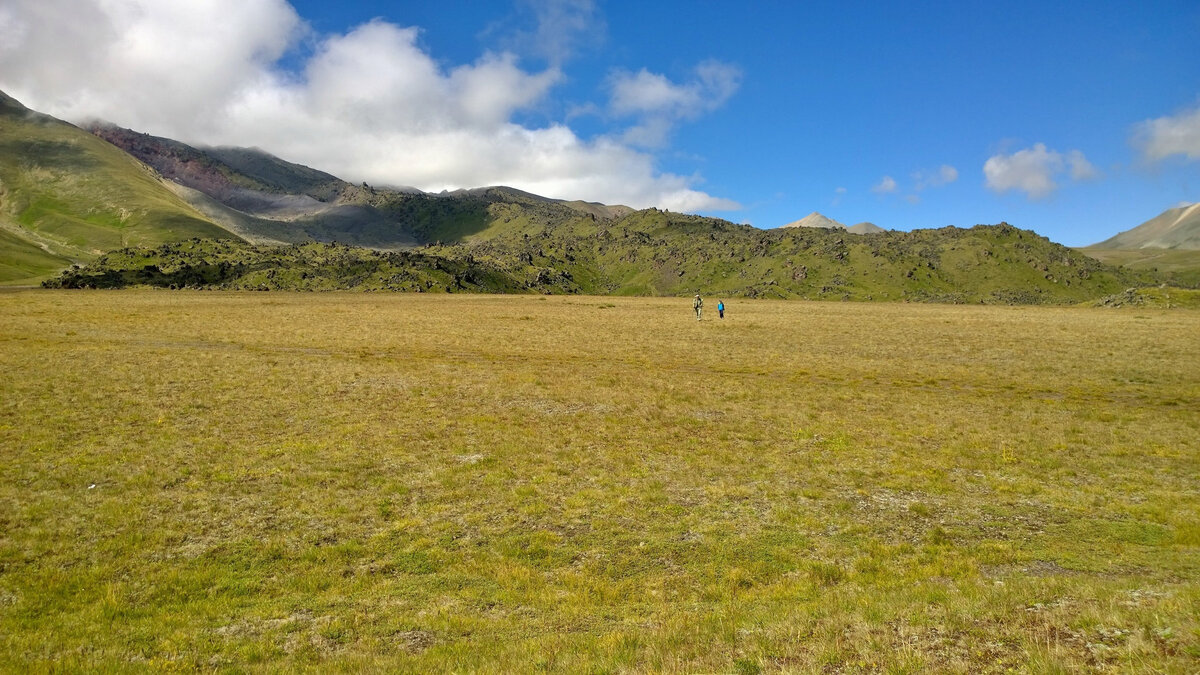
(271, 201)
(263, 198)
(1168, 245)
(66, 196)
(1174, 228)
(24, 262)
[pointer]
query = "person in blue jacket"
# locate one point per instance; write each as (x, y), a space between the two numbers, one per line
(721, 309)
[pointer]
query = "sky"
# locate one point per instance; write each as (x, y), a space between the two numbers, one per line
(1077, 120)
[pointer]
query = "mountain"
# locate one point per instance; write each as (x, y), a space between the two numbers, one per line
(1168, 245)
(865, 228)
(815, 219)
(260, 197)
(1174, 228)
(67, 197)
(267, 200)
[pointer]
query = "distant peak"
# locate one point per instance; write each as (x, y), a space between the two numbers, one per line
(815, 219)
(865, 228)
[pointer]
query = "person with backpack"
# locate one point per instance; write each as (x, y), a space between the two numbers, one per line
(698, 305)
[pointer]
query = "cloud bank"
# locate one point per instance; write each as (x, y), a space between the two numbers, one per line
(368, 105)
(1034, 170)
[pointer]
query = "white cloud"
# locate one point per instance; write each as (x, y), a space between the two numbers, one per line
(944, 175)
(885, 186)
(1172, 135)
(560, 29)
(659, 104)
(141, 60)
(837, 196)
(644, 91)
(368, 105)
(1033, 170)
(1081, 168)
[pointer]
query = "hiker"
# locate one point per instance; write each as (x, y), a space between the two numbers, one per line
(721, 309)
(698, 305)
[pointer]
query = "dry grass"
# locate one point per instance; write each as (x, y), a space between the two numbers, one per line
(486, 483)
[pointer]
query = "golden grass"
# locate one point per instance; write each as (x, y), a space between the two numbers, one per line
(485, 483)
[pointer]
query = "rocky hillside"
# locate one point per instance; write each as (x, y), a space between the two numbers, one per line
(652, 253)
(212, 264)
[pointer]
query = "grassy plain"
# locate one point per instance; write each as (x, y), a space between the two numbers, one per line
(269, 482)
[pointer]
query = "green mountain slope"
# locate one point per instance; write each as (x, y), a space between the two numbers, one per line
(66, 195)
(23, 262)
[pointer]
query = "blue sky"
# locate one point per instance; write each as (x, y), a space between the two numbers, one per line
(1074, 119)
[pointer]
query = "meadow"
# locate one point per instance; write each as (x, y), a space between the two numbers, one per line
(356, 481)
